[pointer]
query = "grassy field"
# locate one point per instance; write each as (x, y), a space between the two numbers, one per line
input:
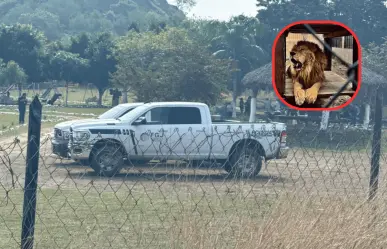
(122, 219)
(147, 216)
(313, 199)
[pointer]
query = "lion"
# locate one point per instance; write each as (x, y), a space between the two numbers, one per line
(306, 69)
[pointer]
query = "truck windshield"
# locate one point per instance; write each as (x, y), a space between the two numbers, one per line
(115, 112)
(130, 116)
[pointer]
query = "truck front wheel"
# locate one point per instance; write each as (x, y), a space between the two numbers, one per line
(246, 161)
(107, 160)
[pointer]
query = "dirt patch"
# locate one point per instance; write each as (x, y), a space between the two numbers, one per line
(309, 171)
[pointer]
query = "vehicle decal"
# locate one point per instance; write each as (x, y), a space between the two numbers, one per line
(133, 141)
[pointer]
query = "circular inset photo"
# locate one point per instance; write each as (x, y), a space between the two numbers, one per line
(316, 65)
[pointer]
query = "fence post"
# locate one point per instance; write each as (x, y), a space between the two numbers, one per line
(376, 142)
(31, 176)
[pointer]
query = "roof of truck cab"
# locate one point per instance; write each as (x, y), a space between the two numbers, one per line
(175, 103)
(131, 104)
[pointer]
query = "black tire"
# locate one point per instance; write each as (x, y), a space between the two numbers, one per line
(245, 162)
(107, 160)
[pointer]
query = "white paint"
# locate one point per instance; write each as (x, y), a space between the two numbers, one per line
(324, 120)
(253, 109)
(366, 121)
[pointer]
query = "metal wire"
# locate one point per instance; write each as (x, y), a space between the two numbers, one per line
(351, 72)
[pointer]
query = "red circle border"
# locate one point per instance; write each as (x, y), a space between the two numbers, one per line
(358, 69)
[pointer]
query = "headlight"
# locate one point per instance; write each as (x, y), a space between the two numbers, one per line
(81, 135)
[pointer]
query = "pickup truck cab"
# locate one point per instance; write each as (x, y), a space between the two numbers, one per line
(176, 131)
(61, 131)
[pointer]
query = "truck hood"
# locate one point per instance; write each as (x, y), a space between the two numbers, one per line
(96, 123)
(66, 125)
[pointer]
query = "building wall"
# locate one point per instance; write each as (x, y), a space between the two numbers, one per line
(342, 45)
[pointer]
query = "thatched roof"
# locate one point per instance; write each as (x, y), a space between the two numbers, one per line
(262, 78)
(259, 78)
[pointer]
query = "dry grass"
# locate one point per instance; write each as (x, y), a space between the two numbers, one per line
(297, 222)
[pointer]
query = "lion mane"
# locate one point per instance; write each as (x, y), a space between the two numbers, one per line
(312, 60)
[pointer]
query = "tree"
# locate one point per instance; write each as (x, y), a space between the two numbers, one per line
(79, 44)
(367, 18)
(11, 73)
(24, 45)
(102, 62)
(98, 52)
(57, 18)
(238, 44)
(68, 67)
(169, 66)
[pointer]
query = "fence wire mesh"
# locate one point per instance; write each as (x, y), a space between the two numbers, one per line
(170, 197)
(351, 71)
(176, 203)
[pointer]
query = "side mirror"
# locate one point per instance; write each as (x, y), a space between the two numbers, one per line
(140, 121)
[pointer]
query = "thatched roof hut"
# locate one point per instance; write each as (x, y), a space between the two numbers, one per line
(259, 79)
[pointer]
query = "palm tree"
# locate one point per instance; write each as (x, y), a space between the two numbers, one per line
(237, 43)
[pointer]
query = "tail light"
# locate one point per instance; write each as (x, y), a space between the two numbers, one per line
(283, 138)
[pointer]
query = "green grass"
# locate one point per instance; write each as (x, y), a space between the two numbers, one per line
(75, 95)
(51, 115)
(146, 216)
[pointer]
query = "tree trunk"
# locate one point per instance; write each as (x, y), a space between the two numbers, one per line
(253, 107)
(20, 88)
(366, 121)
(100, 95)
(324, 120)
(67, 94)
(233, 104)
(124, 96)
(234, 85)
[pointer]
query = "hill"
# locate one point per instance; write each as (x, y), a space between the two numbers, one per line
(58, 18)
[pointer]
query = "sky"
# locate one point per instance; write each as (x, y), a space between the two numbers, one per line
(222, 9)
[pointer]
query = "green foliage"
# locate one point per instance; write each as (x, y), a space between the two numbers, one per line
(169, 66)
(68, 66)
(367, 18)
(237, 42)
(24, 45)
(94, 60)
(57, 18)
(11, 73)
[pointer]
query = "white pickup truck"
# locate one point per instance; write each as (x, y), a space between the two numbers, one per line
(61, 132)
(176, 131)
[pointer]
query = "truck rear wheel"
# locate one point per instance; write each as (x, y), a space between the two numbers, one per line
(107, 160)
(245, 162)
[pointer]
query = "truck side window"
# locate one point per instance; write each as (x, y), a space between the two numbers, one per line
(157, 115)
(184, 115)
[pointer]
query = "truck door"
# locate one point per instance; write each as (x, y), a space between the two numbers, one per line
(188, 133)
(150, 138)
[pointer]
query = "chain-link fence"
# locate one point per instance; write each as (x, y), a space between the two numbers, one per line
(194, 184)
